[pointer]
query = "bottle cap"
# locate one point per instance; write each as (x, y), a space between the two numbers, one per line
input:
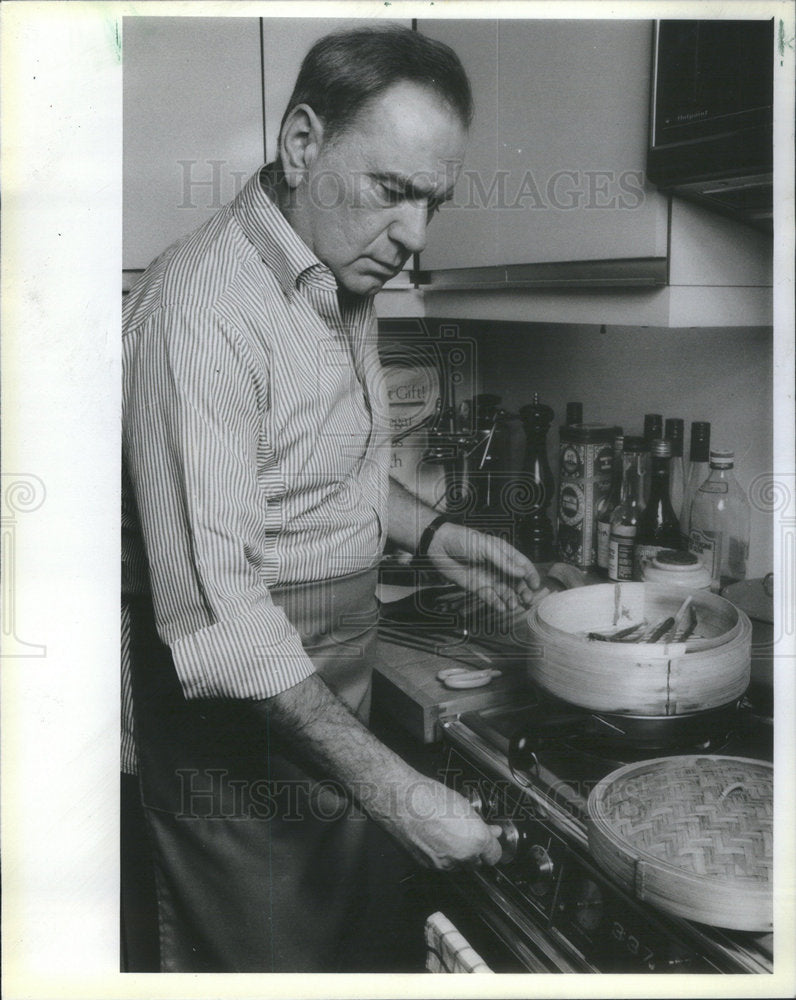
(700, 441)
(653, 425)
(661, 448)
(588, 433)
(672, 557)
(722, 459)
(674, 433)
(633, 444)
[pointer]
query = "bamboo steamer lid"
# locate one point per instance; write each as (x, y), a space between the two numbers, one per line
(692, 835)
(709, 670)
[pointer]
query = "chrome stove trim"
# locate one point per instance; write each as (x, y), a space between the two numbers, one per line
(461, 736)
(509, 919)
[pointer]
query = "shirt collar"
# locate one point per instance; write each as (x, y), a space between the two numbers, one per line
(279, 245)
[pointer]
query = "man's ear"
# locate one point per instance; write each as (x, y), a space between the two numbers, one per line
(299, 143)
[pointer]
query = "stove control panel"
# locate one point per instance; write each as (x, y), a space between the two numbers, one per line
(547, 879)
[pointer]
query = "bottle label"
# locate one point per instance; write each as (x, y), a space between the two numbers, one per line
(571, 461)
(705, 545)
(570, 544)
(571, 504)
(604, 461)
(620, 556)
(642, 555)
(603, 541)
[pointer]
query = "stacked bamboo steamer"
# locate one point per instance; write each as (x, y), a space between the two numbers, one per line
(710, 669)
(692, 835)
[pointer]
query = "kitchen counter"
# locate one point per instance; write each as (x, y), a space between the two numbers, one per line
(405, 687)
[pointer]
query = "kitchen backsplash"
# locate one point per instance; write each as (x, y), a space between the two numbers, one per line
(619, 373)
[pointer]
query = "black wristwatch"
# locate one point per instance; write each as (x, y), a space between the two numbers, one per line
(429, 532)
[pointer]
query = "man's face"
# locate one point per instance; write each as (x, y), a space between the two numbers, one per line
(373, 188)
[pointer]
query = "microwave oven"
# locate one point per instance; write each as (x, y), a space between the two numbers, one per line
(711, 123)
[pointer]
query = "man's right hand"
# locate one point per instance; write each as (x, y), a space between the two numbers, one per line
(440, 828)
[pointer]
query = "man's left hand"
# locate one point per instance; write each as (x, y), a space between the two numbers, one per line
(488, 566)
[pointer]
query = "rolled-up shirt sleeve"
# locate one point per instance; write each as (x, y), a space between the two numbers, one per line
(195, 405)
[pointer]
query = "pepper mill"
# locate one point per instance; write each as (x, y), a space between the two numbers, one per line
(535, 530)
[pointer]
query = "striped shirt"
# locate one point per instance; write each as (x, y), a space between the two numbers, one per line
(255, 447)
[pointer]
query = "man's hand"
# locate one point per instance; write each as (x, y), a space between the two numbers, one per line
(490, 567)
(439, 827)
(436, 825)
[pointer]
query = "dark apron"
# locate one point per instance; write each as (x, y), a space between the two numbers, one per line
(259, 860)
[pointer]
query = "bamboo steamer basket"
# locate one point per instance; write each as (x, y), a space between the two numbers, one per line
(691, 835)
(710, 669)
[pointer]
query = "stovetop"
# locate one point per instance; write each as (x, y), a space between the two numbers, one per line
(546, 797)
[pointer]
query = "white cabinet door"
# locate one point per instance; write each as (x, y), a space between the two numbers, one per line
(465, 233)
(559, 143)
(193, 124)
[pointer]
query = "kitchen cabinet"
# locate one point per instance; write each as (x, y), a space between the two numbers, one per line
(552, 210)
(193, 124)
(555, 169)
(203, 101)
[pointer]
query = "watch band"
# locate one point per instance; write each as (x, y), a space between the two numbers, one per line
(429, 532)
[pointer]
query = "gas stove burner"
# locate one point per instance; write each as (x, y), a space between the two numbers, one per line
(617, 753)
(622, 738)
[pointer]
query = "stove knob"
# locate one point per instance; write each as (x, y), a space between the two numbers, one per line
(589, 905)
(510, 840)
(541, 869)
(476, 800)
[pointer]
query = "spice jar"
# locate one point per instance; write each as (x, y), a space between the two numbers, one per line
(680, 569)
(585, 465)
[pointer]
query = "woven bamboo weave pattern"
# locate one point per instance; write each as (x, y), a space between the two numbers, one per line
(710, 816)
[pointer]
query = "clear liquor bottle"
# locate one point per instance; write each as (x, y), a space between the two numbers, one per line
(698, 469)
(624, 520)
(720, 517)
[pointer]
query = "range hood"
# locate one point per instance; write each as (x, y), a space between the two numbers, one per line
(711, 125)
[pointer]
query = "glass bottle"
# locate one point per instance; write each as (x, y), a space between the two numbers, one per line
(624, 520)
(653, 429)
(535, 529)
(658, 526)
(674, 430)
(720, 517)
(607, 505)
(698, 469)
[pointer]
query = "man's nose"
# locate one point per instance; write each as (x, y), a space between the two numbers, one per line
(409, 227)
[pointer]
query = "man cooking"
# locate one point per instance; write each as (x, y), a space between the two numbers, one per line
(256, 505)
